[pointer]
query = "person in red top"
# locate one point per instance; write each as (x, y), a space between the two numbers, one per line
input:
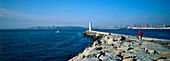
(140, 34)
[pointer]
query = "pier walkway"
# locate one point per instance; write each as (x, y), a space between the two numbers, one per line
(118, 47)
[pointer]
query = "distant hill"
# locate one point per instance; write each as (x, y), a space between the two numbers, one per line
(53, 27)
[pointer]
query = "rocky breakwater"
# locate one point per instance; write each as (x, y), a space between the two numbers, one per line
(116, 47)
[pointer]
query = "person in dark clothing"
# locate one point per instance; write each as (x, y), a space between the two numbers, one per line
(140, 34)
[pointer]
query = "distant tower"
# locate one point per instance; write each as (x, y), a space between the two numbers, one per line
(146, 24)
(126, 25)
(90, 26)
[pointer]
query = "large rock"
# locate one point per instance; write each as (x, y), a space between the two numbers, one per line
(155, 48)
(118, 52)
(138, 49)
(163, 60)
(110, 41)
(110, 37)
(158, 50)
(136, 44)
(98, 55)
(132, 51)
(117, 38)
(163, 51)
(110, 57)
(80, 57)
(89, 59)
(158, 57)
(128, 59)
(113, 42)
(117, 45)
(109, 49)
(85, 51)
(143, 55)
(144, 59)
(107, 44)
(128, 44)
(113, 56)
(98, 48)
(102, 41)
(105, 38)
(105, 58)
(145, 44)
(90, 56)
(95, 43)
(124, 48)
(94, 51)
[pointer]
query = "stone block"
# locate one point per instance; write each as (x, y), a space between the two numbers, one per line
(90, 56)
(127, 55)
(150, 44)
(128, 44)
(117, 45)
(144, 55)
(110, 49)
(123, 48)
(80, 57)
(138, 49)
(107, 44)
(163, 60)
(101, 57)
(144, 59)
(90, 59)
(98, 55)
(94, 51)
(118, 52)
(163, 51)
(98, 48)
(128, 59)
(112, 56)
(110, 41)
(136, 44)
(103, 41)
(95, 43)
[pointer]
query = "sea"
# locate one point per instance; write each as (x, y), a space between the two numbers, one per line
(55, 44)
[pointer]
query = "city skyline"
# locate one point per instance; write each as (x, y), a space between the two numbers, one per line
(28, 13)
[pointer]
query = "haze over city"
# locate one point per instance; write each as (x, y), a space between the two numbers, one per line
(28, 13)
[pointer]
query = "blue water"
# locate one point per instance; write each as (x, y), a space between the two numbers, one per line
(46, 44)
(152, 33)
(41, 44)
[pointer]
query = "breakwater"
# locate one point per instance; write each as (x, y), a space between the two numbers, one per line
(118, 47)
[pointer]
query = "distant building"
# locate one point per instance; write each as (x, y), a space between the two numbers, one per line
(146, 25)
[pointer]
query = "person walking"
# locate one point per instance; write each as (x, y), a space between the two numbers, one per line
(140, 34)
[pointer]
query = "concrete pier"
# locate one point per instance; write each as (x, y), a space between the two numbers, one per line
(118, 47)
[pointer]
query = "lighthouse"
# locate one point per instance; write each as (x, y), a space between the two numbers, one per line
(90, 26)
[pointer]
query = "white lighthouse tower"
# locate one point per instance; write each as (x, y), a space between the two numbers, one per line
(90, 26)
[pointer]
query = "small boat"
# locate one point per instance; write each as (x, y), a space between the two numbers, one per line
(57, 31)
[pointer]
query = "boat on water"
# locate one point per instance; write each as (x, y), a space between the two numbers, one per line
(57, 31)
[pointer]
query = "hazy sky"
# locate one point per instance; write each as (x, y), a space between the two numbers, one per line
(27, 13)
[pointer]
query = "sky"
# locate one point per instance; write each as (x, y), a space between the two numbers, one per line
(28, 13)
